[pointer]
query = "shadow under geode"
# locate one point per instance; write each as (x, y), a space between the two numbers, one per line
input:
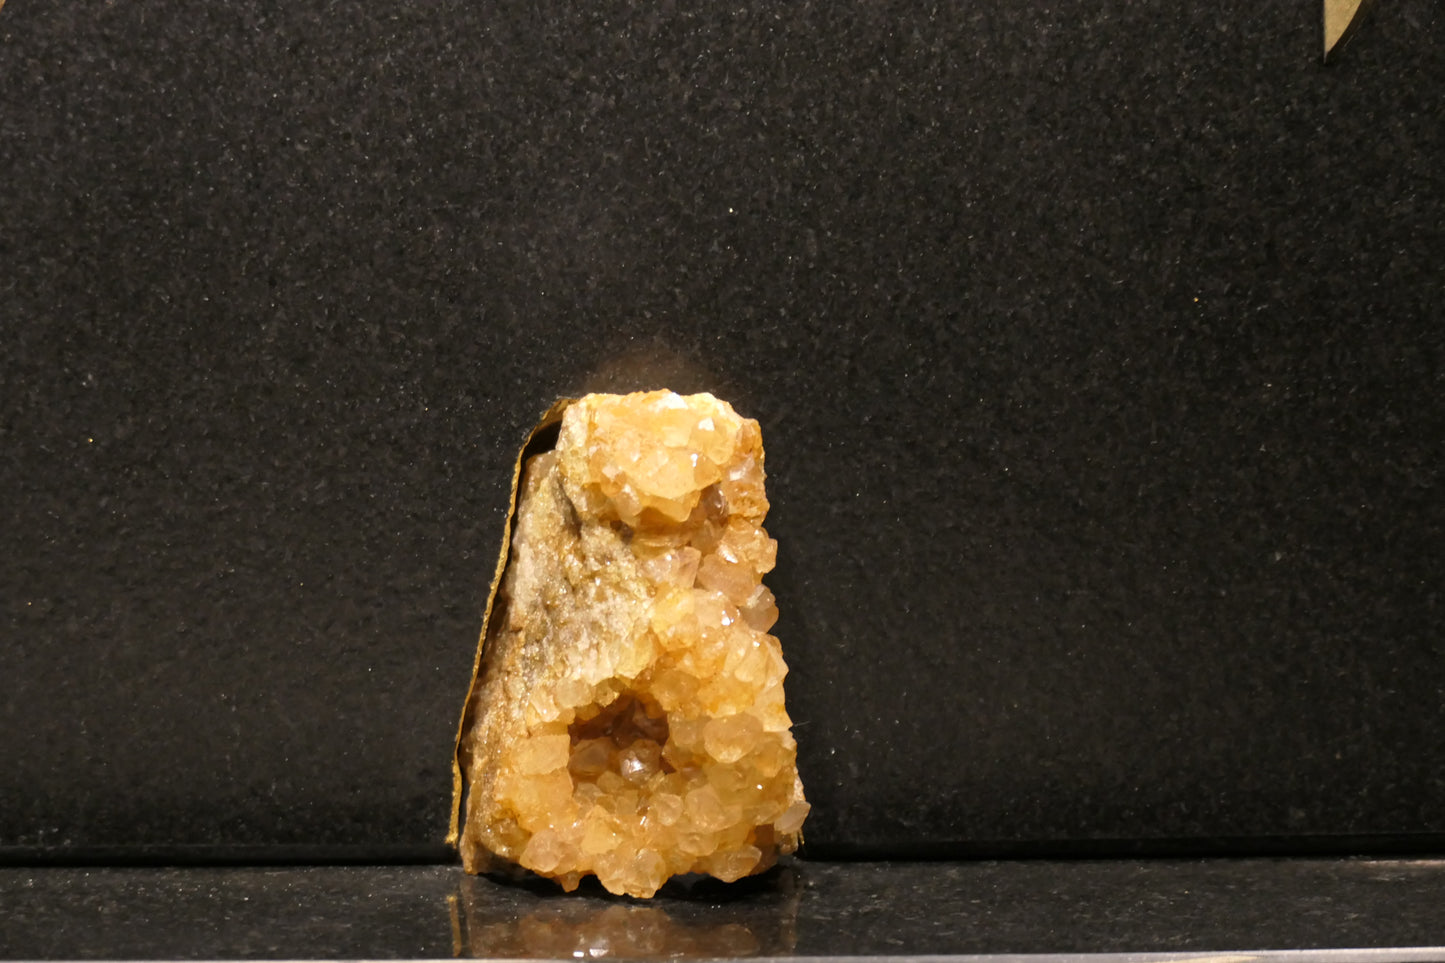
(689, 918)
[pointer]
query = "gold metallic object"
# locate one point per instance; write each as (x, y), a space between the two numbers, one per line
(1341, 18)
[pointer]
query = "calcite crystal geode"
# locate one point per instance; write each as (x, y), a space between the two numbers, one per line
(626, 717)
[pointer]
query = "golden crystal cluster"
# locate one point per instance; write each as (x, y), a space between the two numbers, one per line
(627, 719)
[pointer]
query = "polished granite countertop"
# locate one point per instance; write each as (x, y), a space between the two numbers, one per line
(1379, 909)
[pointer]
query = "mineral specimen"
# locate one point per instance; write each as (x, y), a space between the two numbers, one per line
(626, 717)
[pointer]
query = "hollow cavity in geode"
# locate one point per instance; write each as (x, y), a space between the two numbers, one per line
(626, 718)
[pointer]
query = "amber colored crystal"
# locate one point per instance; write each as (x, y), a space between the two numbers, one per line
(627, 717)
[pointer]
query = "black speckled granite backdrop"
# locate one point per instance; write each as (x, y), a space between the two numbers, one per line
(1097, 347)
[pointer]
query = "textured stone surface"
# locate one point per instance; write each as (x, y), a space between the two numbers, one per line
(811, 910)
(1136, 304)
(628, 717)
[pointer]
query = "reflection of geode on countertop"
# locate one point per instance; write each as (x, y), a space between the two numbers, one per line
(491, 921)
(627, 718)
